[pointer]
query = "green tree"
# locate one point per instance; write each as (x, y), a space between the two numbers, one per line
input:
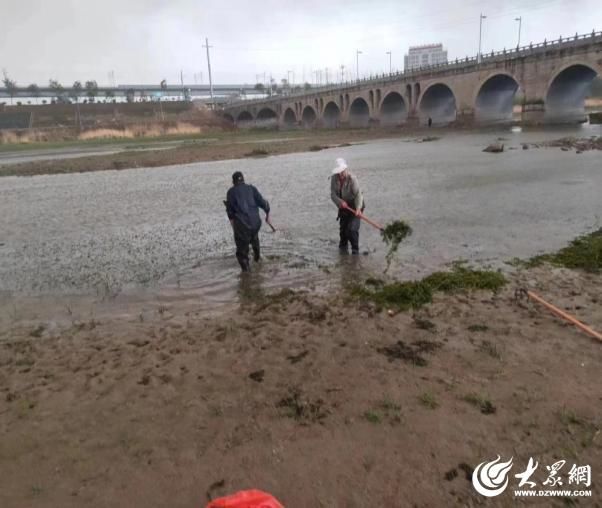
(130, 94)
(57, 89)
(91, 89)
(109, 94)
(259, 87)
(307, 86)
(76, 91)
(10, 86)
(33, 90)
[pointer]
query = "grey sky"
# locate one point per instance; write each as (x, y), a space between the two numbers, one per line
(148, 40)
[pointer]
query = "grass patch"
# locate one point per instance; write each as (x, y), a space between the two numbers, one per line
(415, 294)
(583, 431)
(302, 409)
(372, 416)
(462, 278)
(485, 405)
(584, 253)
(386, 410)
(428, 400)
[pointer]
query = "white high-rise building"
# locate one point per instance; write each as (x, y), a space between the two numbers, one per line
(423, 56)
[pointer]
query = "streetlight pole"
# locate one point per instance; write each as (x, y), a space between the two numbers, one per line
(520, 22)
(209, 67)
(357, 63)
(390, 68)
(342, 73)
(480, 35)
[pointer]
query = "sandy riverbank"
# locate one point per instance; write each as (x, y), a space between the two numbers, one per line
(299, 395)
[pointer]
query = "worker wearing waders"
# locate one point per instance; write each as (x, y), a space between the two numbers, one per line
(243, 202)
(346, 195)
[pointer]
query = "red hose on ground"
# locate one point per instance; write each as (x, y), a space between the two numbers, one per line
(564, 315)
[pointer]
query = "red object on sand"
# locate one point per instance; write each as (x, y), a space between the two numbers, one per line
(246, 499)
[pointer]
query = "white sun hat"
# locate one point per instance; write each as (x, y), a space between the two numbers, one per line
(341, 166)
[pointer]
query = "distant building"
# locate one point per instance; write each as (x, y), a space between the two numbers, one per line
(423, 56)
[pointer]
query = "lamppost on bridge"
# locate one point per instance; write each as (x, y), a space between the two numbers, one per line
(342, 73)
(480, 35)
(390, 67)
(357, 63)
(520, 21)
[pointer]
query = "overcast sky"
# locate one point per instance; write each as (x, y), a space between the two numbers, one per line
(144, 41)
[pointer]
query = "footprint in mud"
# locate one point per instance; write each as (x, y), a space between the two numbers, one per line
(257, 375)
(411, 354)
(297, 358)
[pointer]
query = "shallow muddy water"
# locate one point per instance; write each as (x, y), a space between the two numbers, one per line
(161, 234)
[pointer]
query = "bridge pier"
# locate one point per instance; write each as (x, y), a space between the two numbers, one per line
(533, 112)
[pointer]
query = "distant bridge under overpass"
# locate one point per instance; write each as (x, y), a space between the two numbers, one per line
(552, 77)
(221, 93)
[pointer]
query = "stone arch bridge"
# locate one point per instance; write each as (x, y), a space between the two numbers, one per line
(552, 77)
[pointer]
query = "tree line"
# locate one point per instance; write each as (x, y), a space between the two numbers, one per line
(78, 90)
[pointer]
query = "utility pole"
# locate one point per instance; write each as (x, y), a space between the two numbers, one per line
(357, 63)
(481, 18)
(390, 67)
(520, 22)
(209, 67)
(182, 83)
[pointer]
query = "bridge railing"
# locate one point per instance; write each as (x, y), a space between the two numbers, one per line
(463, 63)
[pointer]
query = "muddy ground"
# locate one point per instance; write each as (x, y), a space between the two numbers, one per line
(223, 146)
(322, 401)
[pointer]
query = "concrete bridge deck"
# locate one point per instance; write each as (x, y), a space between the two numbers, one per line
(552, 77)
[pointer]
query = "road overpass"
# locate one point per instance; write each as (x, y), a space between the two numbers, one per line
(553, 79)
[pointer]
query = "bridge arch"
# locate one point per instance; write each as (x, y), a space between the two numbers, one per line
(244, 119)
(438, 103)
(308, 118)
(359, 113)
(494, 97)
(289, 118)
(331, 116)
(266, 117)
(228, 118)
(393, 109)
(567, 90)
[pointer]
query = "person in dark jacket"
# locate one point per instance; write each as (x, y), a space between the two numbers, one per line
(346, 195)
(243, 202)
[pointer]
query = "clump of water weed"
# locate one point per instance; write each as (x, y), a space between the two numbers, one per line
(393, 234)
(415, 294)
(585, 253)
(462, 278)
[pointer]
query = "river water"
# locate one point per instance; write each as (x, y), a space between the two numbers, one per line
(161, 234)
